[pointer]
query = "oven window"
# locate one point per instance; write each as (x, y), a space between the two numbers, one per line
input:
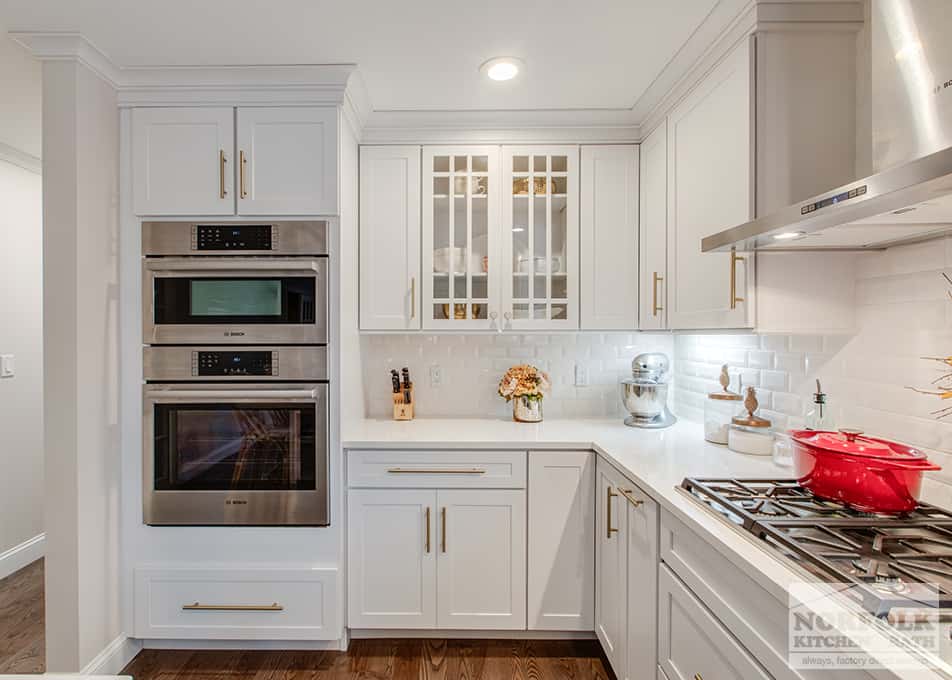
(249, 300)
(222, 447)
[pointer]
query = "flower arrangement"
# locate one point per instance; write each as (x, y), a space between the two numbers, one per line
(525, 386)
(941, 387)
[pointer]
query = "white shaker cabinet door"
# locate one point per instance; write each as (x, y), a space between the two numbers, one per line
(390, 286)
(653, 229)
(609, 237)
(183, 161)
(392, 558)
(642, 583)
(710, 189)
(481, 570)
(611, 567)
(287, 160)
(561, 535)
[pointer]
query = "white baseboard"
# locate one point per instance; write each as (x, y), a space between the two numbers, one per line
(245, 645)
(114, 657)
(21, 555)
(370, 634)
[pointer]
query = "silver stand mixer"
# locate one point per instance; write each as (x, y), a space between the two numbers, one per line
(645, 393)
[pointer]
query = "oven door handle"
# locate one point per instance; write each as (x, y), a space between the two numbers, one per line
(216, 264)
(230, 395)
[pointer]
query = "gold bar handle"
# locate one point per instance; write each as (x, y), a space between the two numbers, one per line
(735, 258)
(221, 173)
(608, 513)
(412, 298)
(428, 529)
(422, 471)
(697, 676)
(634, 501)
(242, 162)
(654, 294)
(443, 529)
(199, 607)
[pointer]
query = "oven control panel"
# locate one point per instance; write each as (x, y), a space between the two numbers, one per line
(234, 363)
(234, 237)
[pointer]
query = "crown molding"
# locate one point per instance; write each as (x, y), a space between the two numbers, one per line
(21, 159)
(357, 106)
(68, 46)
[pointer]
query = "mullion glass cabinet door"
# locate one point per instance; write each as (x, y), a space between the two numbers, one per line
(540, 237)
(460, 225)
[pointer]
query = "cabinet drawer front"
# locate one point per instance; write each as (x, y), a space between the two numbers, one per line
(236, 604)
(692, 643)
(437, 469)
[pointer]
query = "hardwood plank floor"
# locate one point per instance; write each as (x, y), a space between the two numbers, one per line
(22, 621)
(385, 660)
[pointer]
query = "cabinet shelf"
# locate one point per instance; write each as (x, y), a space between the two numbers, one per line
(523, 275)
(475, 275)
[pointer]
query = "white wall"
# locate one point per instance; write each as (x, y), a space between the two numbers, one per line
(903, 313)
(80, 151)
(472, 366)
(21, 100)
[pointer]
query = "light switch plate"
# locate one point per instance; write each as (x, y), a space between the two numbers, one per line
(7, 368)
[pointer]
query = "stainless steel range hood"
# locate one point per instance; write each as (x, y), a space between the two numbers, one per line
(904, 204)
(909, 197)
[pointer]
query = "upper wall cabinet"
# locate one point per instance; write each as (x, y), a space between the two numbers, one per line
(390, 238)
(183, 161)
(609, 237)
(653, 230)
(709, 186)
(197, 161)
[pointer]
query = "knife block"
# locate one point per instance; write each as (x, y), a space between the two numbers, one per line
(401, 409)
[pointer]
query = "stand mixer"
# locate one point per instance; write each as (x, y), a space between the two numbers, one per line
(645, 393)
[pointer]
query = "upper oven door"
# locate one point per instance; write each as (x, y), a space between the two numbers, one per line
(234, 300)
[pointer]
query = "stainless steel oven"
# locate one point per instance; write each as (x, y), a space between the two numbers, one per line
(234, 283)
(235, 436)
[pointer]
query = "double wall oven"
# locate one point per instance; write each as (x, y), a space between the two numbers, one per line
(236, 373)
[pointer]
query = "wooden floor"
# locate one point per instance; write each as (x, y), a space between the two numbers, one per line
(384, 660)
(22, 643)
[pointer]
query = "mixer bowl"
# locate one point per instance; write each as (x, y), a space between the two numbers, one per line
(644, 400)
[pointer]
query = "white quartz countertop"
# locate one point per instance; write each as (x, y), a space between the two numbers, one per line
(656, 460)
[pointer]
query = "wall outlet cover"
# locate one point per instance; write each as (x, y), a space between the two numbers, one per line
(7, 367)
(581, 375)
(436, 375)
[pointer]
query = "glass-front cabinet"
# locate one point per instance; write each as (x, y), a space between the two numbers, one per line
(461, 284)
(540, 237)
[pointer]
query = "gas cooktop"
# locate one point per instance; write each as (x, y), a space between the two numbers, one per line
(895, 562)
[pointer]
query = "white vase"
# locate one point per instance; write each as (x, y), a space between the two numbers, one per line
(525, 410)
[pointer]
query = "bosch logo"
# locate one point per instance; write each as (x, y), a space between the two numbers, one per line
(234, 334)
(235, 501)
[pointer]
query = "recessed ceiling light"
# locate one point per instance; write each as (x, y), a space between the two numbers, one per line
(788, 235)
(501, 68)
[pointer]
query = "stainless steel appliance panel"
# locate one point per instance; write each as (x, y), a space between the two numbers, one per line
(224, 238)
(175, 363)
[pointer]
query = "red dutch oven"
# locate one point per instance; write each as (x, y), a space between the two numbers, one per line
(871, 475)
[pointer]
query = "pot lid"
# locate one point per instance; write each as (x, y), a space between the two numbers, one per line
(850, 441)
(725, 394)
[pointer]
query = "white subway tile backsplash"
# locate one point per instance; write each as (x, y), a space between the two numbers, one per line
(760, 359)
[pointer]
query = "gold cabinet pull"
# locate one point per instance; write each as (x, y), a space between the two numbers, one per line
(242, 162)
(655, 307)
(428, 529)
(221, 173)
(412, 298)
(735, 258)
(443, 529)
(199, 607)
(697, 676)
(608, 513)
(434, 471)
(634, 501)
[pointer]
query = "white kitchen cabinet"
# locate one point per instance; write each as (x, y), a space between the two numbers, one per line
(609, 237)
(183, 161)
(642, 525)
(710, 187)
(653, 231)
(611, 567)
(481, 570)
(561, 582)
(390, 287)
(540, 243)
(461, 249)
(287, 160)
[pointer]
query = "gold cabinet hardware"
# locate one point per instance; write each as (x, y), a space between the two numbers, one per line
(412, 298)
(443, 529)
(634, 501)
(735, 258)
(697, 676)
(242, 162)
(608, 513)
(655, 307)
(428, 529)
(199, 607)
(221, 173)
(425, 471)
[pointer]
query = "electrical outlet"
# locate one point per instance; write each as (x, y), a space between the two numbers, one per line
(436, 375)
(581, 375)
(7, 368)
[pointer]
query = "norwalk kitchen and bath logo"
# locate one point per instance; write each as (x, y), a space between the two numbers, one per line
(829, 628)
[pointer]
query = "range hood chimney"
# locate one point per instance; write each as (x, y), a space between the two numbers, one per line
(909, 197)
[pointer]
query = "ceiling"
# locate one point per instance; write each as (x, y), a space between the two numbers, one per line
(413, 55)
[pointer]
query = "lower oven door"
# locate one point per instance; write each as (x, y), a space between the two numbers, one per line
(215, 300)
(235, 454)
